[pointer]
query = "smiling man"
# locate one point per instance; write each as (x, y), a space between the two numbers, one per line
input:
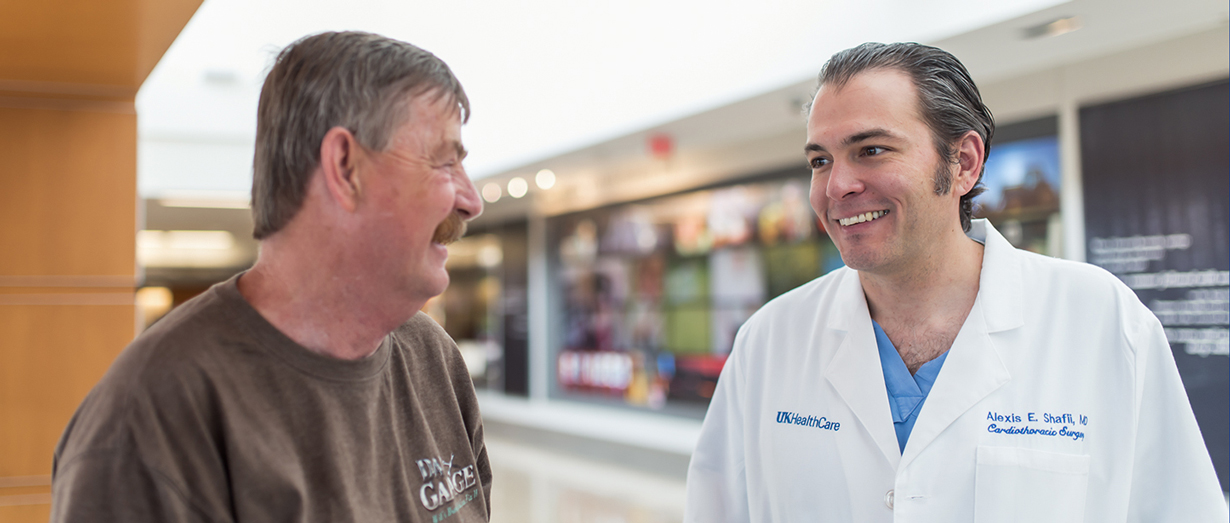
(942, 375)
(309, 388)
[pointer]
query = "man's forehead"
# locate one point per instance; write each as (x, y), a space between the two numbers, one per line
(430, 123)
(873, 103)
(436, 101)
(882, 84)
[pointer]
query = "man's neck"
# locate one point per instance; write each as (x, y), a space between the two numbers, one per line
(310, 299)
(922, 309)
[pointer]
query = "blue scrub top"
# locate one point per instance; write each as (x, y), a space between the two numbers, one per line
(906, 393)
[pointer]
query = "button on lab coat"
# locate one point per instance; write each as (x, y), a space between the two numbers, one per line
(1059, 401)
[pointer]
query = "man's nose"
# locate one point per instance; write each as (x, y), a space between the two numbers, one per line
(843, 182)
(469, 203)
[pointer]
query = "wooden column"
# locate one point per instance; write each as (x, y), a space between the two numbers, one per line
(68, 216)
(67, 274)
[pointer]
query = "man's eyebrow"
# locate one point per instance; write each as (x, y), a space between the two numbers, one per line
(853, 139)
(867, 135)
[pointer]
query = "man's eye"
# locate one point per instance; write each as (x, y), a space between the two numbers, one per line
(872, 151)
(819, 162)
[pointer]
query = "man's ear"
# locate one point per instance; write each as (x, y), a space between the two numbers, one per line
(971, 154)
(340, 156)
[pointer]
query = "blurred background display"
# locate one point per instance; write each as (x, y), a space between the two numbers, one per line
(653, 292)
(1157, 214)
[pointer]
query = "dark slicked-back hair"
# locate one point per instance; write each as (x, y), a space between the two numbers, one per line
(360, 81)
(948, 100)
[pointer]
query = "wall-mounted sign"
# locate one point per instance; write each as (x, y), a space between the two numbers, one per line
(1157, 214)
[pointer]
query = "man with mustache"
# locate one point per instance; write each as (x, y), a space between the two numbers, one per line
(942, 375)
(310, 387)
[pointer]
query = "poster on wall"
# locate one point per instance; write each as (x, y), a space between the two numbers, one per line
(1022, 193)
(1156, 175)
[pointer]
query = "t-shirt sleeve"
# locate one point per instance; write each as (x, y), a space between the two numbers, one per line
(474, 423)
(467, 402)
(1173, 477)
(112, 485)
(484, 469)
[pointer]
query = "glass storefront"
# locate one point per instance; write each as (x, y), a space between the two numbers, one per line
(652, 293)
(484, 307)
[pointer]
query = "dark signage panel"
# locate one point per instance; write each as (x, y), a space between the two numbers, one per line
(1157, 205)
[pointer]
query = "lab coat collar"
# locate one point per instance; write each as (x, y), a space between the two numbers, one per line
(1000, 287)
(855, 371)
(973, 369)
(975, 365)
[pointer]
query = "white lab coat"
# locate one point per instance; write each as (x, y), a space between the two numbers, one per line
(1049, 345)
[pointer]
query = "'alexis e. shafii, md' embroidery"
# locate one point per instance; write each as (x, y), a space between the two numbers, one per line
(1059, 425)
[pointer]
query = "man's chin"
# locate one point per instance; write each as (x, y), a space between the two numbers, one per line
(424, 285)
(859, 259)
(437, 285)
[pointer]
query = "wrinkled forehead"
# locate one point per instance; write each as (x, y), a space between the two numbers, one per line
(429, 103)
(428, 124)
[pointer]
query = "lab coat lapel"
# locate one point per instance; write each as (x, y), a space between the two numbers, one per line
(974, 367)
(855, 370)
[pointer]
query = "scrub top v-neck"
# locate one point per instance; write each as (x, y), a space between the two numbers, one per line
(906, 393)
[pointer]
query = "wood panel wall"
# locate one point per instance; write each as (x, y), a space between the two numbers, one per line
(69, 72)
(67, 273)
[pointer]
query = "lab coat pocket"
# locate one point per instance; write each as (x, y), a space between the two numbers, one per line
(1014, 484)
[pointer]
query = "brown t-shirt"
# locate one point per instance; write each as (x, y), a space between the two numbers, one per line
(214, 415)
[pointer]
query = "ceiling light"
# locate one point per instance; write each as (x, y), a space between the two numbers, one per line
(185, 248)
(206, 199)
(545, 179)
(492, 192)
(159, 298)
(490, 256)
(1053, 28)
(198, 240)
(221, 77)
(517, 187)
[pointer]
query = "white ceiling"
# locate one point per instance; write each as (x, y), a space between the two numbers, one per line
(760, 133)
(999, 50)
(544, 76)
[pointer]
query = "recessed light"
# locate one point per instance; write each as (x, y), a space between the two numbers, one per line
(1053, 28)
(492, 192)
(517, 187)
(545, 179)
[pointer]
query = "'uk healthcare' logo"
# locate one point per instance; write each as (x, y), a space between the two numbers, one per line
(794, 418)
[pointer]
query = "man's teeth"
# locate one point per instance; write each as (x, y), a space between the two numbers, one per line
(860, 218)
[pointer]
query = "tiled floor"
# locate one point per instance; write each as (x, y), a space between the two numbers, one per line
(534, 485)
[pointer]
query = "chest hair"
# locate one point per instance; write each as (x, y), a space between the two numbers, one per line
(919, 343)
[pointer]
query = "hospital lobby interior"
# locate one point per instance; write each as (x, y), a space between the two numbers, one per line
(597, 298)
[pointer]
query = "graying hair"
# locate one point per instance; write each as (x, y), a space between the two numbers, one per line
(948, 100)
(360, 81)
